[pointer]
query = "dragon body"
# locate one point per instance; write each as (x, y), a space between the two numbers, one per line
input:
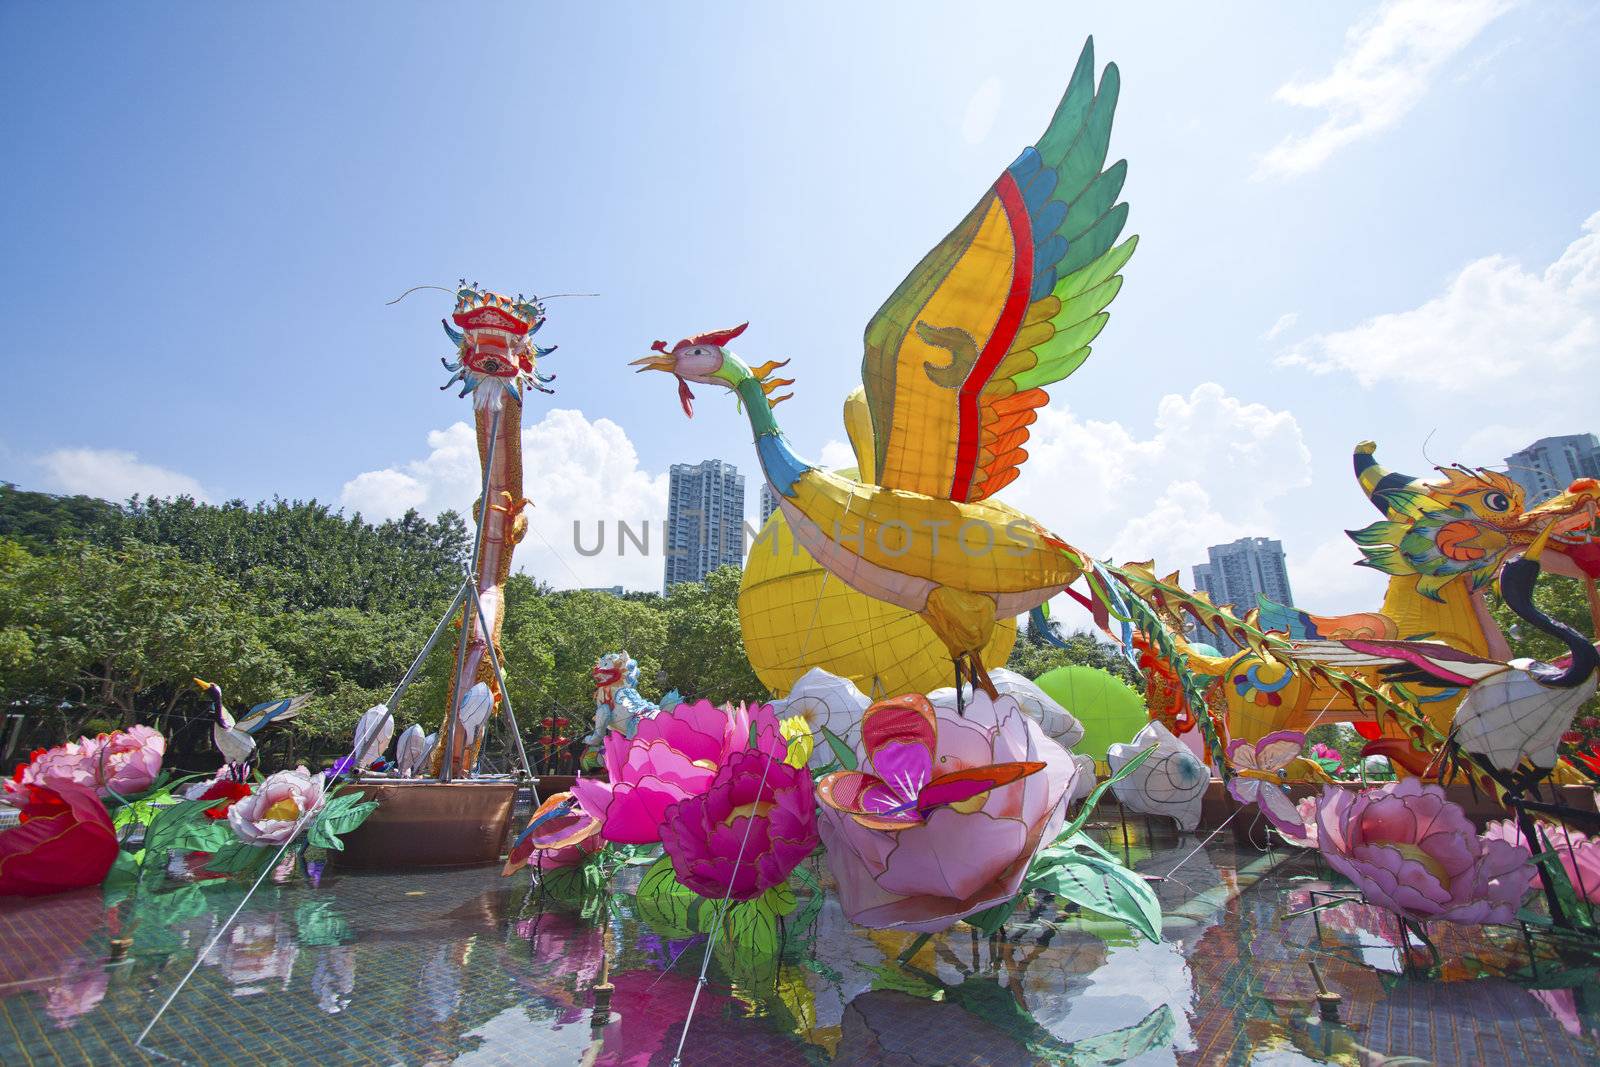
(496, 361)
(1441, 543)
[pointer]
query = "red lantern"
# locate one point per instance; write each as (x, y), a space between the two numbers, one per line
(67, 843)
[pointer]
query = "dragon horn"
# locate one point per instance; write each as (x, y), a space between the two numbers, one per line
(1377, 481)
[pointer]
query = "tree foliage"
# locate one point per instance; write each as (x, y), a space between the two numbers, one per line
(704, 655)
(305, 557)
(1032, 656)
(117, 634)
(107, 613)
(298, 555)
(38, 520)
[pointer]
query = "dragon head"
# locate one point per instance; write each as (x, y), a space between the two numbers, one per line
(1468, 524)
(495, 353)
(614, 669)
(704, 358)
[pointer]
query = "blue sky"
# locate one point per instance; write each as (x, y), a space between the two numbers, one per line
(1362, 220)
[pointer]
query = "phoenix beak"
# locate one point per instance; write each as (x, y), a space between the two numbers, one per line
(657, 362)
(666, 362)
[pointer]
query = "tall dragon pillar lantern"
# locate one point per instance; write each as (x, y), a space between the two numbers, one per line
(496, 362)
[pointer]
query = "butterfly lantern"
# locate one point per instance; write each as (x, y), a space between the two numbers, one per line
(899, 737)
(1260, 771)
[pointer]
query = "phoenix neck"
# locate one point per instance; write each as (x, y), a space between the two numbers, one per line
(779, 462)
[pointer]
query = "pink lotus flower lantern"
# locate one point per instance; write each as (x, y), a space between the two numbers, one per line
(672, 756)
(751, 827)
(1327, 754)
(1578, 853)
(950, 814)
(559, 834)
(1410, 850)
(279, 806)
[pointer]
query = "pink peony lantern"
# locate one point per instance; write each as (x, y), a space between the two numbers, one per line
(271, 815)
(758, 811)
(124, 762)
(672, 756)
(1577, 852)
(1409, 849)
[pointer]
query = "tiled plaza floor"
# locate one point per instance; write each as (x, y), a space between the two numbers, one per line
(465, 967)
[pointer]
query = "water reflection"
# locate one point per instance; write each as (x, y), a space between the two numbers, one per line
(76, 991)
(334, 981)
(257, 952)
(463, 967)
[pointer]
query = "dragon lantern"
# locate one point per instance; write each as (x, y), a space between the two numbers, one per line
(1442, 543)
(496, 361)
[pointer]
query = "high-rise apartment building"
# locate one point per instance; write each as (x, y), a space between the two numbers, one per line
(1240, 571)
(1550, 464)
(705, 520)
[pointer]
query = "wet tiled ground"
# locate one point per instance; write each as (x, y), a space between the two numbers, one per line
(465, 967)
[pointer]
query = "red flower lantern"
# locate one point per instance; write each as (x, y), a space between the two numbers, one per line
(66, 843)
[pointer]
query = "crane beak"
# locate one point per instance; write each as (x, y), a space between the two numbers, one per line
(201, 683)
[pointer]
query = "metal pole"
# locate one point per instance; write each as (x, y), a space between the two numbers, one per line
(505, 696)
(445, 772)
(416, 665)
(433, 639)
(721, 914)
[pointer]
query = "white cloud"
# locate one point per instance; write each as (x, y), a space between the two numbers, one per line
(1284, 324)
(1206, 475)
(384, 494)
(1390, 60)
(574, 469)
(1494, 321)
(1330, 582)
(837, 454)
(115, 475)
(1489, 444)
(982, 109)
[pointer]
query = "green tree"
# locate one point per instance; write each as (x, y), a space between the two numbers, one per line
(114, 636)
(575, 629)
(704, 654)
(38, 520)
(352, 660)
(307, 557)
(1032, 656)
